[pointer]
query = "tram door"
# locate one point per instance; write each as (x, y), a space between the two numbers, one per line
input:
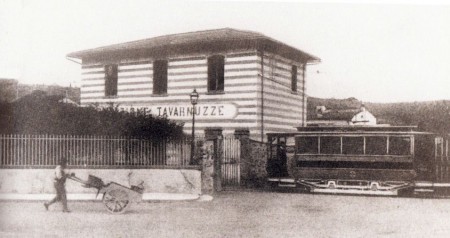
(277, 161)
(442, 167)
(424, 157)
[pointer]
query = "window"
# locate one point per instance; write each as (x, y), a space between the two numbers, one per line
(111, 80)
(307, 145)
(216, 77)
(294, 78)
(376, 145)
(353, 145)
(330, 145)
(399, 145)
(160, 77)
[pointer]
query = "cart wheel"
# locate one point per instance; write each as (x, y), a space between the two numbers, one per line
(115, 201)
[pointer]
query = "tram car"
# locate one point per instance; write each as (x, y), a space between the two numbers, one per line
(371, 160)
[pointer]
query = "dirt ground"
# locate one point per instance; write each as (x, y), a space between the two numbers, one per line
(236, 214)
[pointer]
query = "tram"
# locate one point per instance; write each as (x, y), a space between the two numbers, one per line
(370, 160)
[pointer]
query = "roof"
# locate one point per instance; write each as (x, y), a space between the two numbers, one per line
(347, 128)
(199, 41)
(353, 130)
(344, 115)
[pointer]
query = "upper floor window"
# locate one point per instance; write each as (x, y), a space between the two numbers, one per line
(111, 80)
(294, 78)
(160, 77)
(216, 65)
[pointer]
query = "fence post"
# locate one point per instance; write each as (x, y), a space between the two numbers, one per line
(211, 169)
(243, 135)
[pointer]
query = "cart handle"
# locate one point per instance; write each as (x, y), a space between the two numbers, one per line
(75, 178)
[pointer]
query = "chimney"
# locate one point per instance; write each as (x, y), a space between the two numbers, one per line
(363, 108)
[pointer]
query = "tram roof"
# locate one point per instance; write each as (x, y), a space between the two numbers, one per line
(386, 128)
(379, 130)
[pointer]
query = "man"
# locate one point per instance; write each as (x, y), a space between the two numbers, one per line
(60, 186)
(282, 156)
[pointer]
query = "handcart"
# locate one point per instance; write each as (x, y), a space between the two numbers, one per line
(116, 197)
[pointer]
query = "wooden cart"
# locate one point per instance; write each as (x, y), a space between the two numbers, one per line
(116, 197)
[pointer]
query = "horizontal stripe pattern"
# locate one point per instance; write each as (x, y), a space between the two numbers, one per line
(283, 109)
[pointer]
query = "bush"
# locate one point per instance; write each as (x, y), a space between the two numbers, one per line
(41, 114)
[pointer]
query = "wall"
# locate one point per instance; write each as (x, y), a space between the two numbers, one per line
(283, 109)
(155, 180)
(253, 163)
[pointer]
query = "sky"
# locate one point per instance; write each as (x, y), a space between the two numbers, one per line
(373, 51)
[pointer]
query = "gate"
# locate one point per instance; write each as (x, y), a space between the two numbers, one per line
(230, 165)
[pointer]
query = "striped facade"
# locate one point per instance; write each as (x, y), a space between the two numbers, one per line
(257, 85)
(282, 108)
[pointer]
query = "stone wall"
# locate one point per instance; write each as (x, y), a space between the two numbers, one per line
(253, 163)
(34, 181)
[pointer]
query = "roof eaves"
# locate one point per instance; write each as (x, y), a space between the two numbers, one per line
(174, 40)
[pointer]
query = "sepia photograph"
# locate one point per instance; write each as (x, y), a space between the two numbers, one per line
(218, 118)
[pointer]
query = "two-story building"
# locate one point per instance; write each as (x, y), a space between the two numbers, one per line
(245, 79)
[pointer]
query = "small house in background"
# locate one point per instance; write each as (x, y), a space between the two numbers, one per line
(330, 117)
(363, 117)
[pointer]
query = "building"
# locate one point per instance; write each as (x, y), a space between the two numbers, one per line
(8, 89)
(344, 117)
(246, 80)
(363, 117)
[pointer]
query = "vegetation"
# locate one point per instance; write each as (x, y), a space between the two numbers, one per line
(433, 116)
(38, 113)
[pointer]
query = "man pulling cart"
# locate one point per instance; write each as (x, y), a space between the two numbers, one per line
(116, 197)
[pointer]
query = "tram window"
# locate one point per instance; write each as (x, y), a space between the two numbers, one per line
(439, 145)
(330, 145)
(399, 146)
(353, 145)
(376, 145)
(307, 145)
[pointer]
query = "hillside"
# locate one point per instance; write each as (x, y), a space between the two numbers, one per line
(429, 116)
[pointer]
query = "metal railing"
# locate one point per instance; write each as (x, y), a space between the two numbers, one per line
(92, 151)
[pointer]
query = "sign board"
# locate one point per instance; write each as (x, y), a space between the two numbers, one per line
(184, 111)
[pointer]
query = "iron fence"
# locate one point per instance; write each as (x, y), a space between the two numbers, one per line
(92, 151)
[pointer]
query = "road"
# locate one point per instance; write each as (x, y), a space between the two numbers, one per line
(236, 214)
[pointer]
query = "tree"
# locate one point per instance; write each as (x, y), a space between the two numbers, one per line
(38, 113)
